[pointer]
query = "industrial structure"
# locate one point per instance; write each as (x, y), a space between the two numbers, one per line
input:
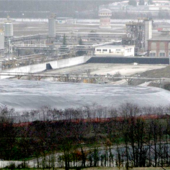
(159, 46)
(105, 15)
(1, 40)
(8, 33)
(8, 28)
(114, 50)
(34, 46)
(52, 26)
(138, 34)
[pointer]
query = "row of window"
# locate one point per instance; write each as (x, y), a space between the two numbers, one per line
(161, 54)
(117, 50)
(129, 50)
(104, 14)
(108, 51)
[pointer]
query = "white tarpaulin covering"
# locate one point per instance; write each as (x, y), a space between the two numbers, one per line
(25, 94)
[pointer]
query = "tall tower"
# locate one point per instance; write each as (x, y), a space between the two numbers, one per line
(52, 26)
(105, 15)
(8, 28)
(148, 32)
(9, 33)
(139, 33)
(1, 40)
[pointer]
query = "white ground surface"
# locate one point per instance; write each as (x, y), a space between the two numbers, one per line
(25, 95)
(104, 69)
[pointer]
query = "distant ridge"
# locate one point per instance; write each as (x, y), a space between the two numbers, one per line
(41, 8)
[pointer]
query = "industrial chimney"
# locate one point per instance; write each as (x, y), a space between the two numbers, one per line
(52, 26)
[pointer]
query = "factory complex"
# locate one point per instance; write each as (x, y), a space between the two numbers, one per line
(84, 84)
(70, 37)
(31, 46)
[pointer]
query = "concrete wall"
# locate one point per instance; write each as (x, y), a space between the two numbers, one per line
(129, 60)
(69, 62)
(42, 67)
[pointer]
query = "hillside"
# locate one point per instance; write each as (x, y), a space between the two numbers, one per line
(41, 8)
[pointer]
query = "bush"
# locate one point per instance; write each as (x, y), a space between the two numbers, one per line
(23, 165)
(11, 166)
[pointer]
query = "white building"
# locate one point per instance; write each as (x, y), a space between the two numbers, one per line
(105, 15)
(114, 51)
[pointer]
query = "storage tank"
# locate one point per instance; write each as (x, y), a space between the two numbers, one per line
(8, 28)
(1, 40)
(51, 26)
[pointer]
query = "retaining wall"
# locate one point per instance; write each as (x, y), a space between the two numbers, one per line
(42, 67)
(129, 60)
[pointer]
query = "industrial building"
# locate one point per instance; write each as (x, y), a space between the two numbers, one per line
(138, 34)
(105, 15)
(159, 46)
(114, 50)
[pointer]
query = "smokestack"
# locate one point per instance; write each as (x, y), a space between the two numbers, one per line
(52, 26)
(148, 32)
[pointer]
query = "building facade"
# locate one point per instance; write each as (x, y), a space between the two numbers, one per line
(159, 48)
(105, 15)
(114, 51)
(138, 34)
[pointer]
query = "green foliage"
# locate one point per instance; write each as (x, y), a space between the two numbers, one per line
(64, 40)
(80, 52)
(71, 137)
(80, 42)
(11, 166)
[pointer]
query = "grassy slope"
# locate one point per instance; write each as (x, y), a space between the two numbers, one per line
(157, 73)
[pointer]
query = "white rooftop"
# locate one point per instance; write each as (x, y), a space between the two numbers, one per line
(105, 11)
(115, 46)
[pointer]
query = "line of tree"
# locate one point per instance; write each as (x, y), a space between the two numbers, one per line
(126, 138)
